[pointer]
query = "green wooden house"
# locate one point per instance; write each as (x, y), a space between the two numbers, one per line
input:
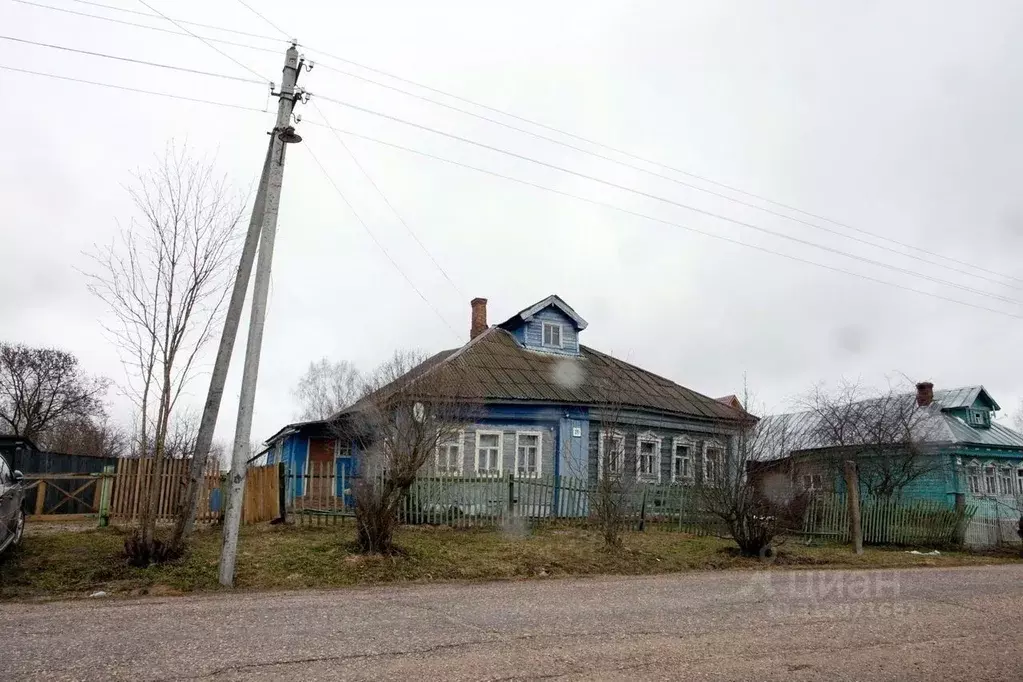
(961, 456)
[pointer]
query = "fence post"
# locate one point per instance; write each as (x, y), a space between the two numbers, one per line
(852, 485)
(106, 484)
(40, 497)
(511, 494)
(282, 492)
(642, 512)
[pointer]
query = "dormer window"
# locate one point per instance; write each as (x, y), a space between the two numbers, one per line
(979, 418)
(552, 334)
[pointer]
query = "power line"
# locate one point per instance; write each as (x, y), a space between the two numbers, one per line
(645, 216)
(129, 89)
(672, 202)
(663, 176)
(662, 165)
(376, 241)
(387, 201)
(133, 61)
(270, 23)
(146, 26)
(206, 42)
(182, 21)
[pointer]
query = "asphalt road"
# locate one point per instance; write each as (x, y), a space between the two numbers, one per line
(947, 624)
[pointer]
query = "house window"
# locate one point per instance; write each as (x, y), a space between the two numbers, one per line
(713, 464)
(973, 478)
(527, 453)
(1005, 481)
(448, 461)
(648, 459)
(813, 482)
(552, 334)
(681, 460)
(1019, 480)
(611, 453)
(488, 453)
(990, 480)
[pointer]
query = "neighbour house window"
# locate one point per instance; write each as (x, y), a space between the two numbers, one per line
(973, 478)
(1005, 481)
(552, 334)
(488, 453)
(990, 482)
(681, 460)
(448, 460)
(1019, 480)
(978, 418)
(713, 464)
(648, 459)
(611, 453)
(527, 453)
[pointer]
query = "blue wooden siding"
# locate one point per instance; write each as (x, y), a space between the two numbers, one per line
(530, 334)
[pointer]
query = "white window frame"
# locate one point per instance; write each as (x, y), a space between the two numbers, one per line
(500, 452)
(543, 334)
(656, 441)
(1019, 480)
(461, 455)
(715, 445)
(1006, 486)
(690, 445)
(539, 453)
(974, 478)
(603, 436)
(990, 466)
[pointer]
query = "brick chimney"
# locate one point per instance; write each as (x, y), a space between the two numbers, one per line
(924, 393)
(479, 317)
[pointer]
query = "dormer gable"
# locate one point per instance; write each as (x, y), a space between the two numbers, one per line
(550, 326)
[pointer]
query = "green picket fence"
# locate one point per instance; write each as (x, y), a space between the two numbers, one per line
(886, 521)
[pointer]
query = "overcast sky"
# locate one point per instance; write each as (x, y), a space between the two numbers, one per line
(899, 118)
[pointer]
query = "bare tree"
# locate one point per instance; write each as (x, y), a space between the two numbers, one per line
(885, 433)
(411, 407)
(41, 387)
(725, 490)
(1017, 419)
(326, 388)
(165, 280)
(94, 436)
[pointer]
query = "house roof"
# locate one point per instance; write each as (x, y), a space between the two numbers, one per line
(933, 424)
(494, 367)
(527, 314)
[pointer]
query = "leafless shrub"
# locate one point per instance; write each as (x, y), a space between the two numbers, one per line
(409, 409)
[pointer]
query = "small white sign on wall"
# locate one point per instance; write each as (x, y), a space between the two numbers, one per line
(577, 432)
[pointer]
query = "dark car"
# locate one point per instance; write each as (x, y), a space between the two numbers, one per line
(12, 515)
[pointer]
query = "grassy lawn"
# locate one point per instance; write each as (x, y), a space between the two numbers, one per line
(79, 563)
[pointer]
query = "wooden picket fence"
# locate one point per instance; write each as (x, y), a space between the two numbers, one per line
(132, 479)
(319, 494)
(887, 521)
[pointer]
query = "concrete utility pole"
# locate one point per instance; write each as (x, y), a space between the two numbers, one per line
(204, 439)
(282, 135)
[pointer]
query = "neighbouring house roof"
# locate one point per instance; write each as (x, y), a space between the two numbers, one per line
(495, 367)
(798, 431)
(527, 314)
(965, 396)
(732, 400)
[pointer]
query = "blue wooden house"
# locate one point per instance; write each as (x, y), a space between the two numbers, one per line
(969, 458)
(546, 398)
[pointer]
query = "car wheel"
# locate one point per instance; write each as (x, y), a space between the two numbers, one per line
(19, 529)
